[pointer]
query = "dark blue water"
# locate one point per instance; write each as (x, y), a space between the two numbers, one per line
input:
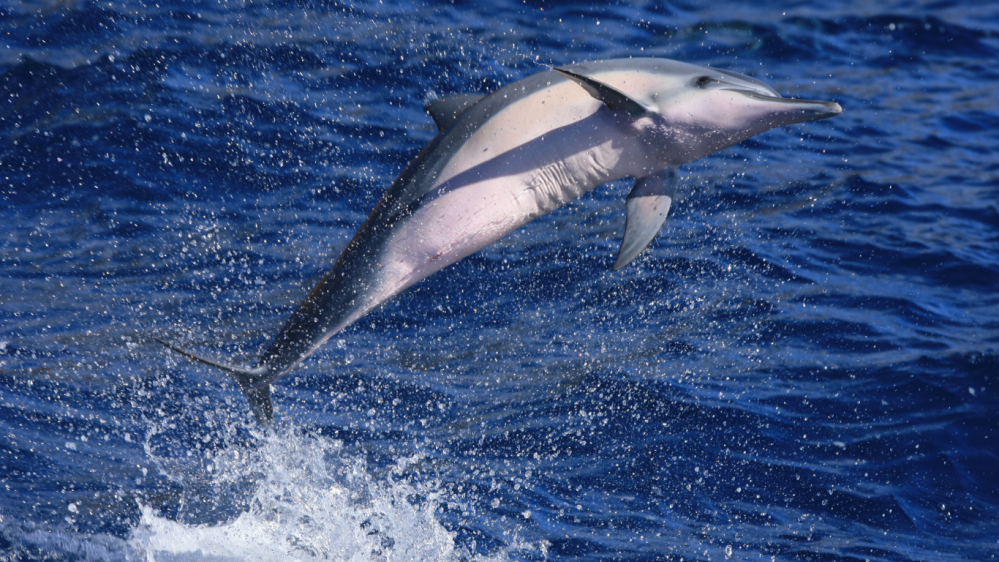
(803, 366)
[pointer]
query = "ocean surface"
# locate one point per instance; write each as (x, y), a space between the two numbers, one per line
(803, 366)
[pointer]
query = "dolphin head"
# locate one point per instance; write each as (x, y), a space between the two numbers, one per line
(701, 110)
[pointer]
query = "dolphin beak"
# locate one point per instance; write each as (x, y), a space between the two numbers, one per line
(787, 110)
(794, 110)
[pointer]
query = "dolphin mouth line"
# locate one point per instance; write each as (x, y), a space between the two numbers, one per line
(833, 107)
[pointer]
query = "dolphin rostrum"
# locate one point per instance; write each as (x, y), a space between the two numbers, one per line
(504, 159)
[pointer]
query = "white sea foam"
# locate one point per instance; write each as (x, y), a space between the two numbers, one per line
(311, 503)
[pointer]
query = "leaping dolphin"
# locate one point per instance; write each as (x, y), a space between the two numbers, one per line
(504, 159)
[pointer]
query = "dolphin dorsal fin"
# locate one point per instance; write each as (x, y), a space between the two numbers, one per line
(613, 98)
(647, 204)
(448, 109)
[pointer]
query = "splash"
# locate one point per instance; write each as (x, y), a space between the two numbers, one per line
(312, 502)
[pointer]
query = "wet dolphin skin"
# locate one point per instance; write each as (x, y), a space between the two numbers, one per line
(504, 159)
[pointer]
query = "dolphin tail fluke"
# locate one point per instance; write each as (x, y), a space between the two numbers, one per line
(247, 378)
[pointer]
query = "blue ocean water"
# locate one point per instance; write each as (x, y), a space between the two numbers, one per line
(803, 366)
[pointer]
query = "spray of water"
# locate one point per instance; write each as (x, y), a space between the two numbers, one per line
(312, 502)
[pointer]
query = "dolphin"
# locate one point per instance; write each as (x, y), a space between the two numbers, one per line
(504, 159)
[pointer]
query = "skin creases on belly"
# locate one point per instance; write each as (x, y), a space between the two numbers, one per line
(561, 181)
(548, 188)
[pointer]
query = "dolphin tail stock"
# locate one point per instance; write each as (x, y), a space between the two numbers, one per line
(247, 378)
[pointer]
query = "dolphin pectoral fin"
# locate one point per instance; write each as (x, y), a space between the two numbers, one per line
(247, 378)
(613, 98)
(647, 204)
(446, 110)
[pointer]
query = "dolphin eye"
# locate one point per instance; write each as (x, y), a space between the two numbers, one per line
(705, 80)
